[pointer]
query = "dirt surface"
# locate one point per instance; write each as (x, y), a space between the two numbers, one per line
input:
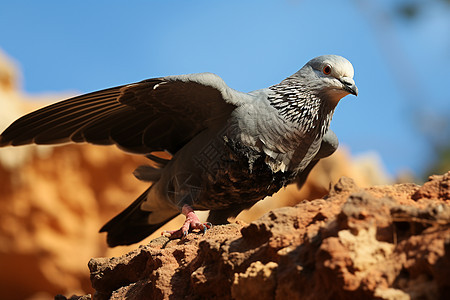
(386, 242)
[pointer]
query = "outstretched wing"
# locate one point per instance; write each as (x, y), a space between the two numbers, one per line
(151, 115)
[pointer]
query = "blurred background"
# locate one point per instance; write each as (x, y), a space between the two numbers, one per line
(54, 199)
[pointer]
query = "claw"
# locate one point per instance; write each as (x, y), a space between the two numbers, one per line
(192, 222)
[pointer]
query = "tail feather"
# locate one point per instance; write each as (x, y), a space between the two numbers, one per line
(131, 225)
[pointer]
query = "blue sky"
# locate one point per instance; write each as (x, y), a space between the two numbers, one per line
(400, 69)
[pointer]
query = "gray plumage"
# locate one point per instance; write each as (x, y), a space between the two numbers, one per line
(230, 149)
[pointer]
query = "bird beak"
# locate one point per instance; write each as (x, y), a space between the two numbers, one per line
(349, 85)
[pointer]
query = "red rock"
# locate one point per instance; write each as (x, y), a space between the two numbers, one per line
(437, 187)
(354, 244)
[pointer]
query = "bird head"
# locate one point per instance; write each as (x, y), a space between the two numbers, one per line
(330, 77)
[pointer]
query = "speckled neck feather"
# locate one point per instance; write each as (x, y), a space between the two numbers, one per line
(295, 103)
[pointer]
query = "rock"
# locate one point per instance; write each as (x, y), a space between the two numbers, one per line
(437, 187)
(356, 243)
(258, 282)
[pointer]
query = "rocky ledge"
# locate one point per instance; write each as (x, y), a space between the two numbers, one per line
(384, 242)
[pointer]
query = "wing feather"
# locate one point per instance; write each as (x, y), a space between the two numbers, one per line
(152, 115)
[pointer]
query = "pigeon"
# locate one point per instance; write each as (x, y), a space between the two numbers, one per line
(228, 149)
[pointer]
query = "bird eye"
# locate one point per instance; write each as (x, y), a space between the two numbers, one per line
(327, 70)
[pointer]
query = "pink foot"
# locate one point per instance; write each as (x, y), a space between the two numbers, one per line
(192, 222)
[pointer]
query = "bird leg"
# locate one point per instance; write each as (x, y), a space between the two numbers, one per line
(192, 222)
